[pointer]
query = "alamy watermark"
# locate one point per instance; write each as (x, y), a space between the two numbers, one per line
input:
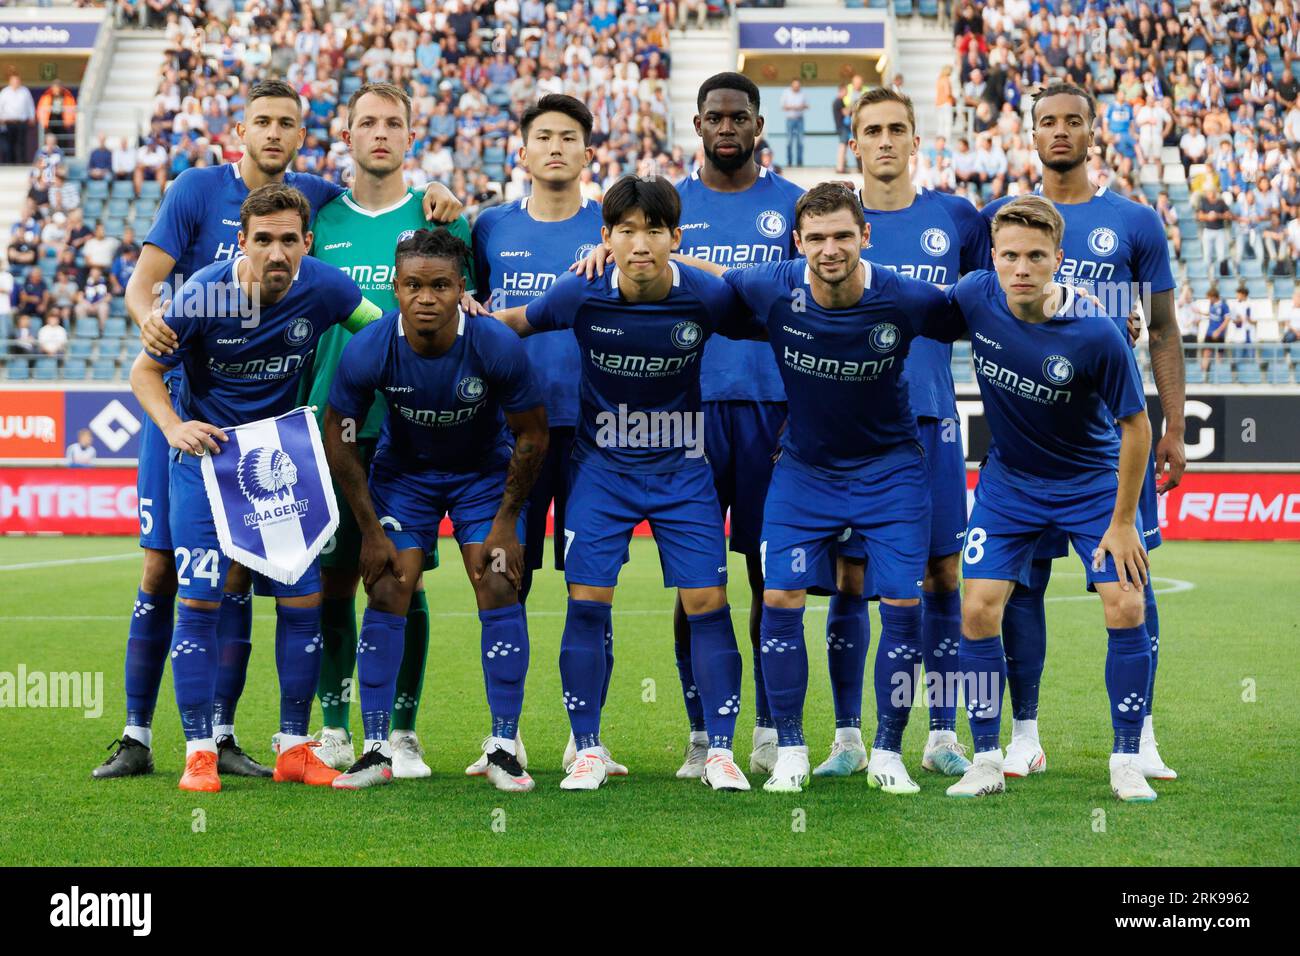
(81, 690)
(638, 429)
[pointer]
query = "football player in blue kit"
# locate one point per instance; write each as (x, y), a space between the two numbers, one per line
(237, 371)
(520, 249)
(1114, 248)
(842, 329)
(933, 237)
(445, 448)
(197, 224)
(638, 455)
(1070, 440)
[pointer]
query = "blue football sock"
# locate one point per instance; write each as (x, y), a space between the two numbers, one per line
(898, 664)
(762, 712)
(785, 671)
(983, 667)
(1153, 629)
(848, 634)
(718, 669)
(940, 637)
(379, 657)
(194, 668)
(686, 674)
(1128, 674)
(297, 662)
(582, 668)
(1024, 633)
(234, 645)
(148, 640)
(504, 645)
(609, 662)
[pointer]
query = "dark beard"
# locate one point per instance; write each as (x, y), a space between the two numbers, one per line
(731, 164)
(1064, 165)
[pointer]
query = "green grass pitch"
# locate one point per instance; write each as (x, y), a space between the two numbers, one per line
(1225, 706)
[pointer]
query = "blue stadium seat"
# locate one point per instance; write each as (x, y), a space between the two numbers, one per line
(350, 85)
(902, 8)
(1248, 373)
(1283, 287)
(1279, 373)
(145, 205)
(494, 155)
(45, 369)
(878, 4)
(97, 189)
(91, 210)
(122, 189)
(83, 330)
(151, 189)
(1251, 268)
(80, 347)
(1294, 348)
(1179, 193)
(75, 369)
(113, 226)
(118, 208)
(1200, 286)
(962, 373)
(495, 172)
(1194, 374)
(1221, 372)
(928, 8)
(1197, 270)
(18, 370)
(104, 370)
(1257, 287)
(115, 327)
(117, 307)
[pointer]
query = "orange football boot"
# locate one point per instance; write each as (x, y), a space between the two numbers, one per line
(301, 765)
(201, 772)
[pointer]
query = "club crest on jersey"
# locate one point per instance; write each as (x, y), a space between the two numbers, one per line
(884, 337)
(584, 250)
(1058, 369)
(298, 332)
(1102, 240)
(266, 474)
(686, 335)
(771, 224)
(470, 389)
(935, 242)
(404, 235)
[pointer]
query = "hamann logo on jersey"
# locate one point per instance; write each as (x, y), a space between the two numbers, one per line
(436, 416)
(838, 369)
(884, 337)
(268, 369)
(266, 474)
(470, 389)
(771, 223)
(686, 335)
(298, 332)
(369, 277)
(1058, 369)
(1025, 387)
(1103, 241)
(924, 272)
(641, 366)
(737, 256)
(935, 241)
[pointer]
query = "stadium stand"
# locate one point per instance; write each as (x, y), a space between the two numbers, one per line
(1199, 117)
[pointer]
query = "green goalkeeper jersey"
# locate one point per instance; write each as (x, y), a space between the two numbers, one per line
(362, 243)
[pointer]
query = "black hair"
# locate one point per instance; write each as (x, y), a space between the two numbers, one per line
(653, 195)
(433, 244)
(275, 89)
(728, 81)
(1064, 89)
(573, 108)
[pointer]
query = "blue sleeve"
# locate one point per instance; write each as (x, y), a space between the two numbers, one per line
(929, 310)
(1151, 250)
(760, 285)
(976, 243)
(320, 192)
(478, 244)
(557, 308)
(186, 325)
(735, 319)
(1118, 381)
(340, 294)
(355, 380)
(179, 216)
(510, 374)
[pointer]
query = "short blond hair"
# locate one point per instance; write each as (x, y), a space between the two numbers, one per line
(883, 94)
(1030, 212)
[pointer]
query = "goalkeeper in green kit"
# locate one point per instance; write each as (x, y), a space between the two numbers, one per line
(359, 232)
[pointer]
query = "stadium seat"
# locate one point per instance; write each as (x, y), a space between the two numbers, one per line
(75, 369)
(1249, 373)
(1279, 373)
(1272, 354)
(1194, 374)
(45, 369)
(1283, 287)
(97, 189)
(962, 373)
(494, 155)
(92, 209)
(115, 327)
(1251, 268)
(151, 189)
(1221, 372)
(350, 85)
(117, 307)
(85, 329)
(902, 8)
(928, 8)
(1257, 287)
(1200, 286)
(118, 208)
(18, 370)
(122, 189)
(79, 347)
(104, 370)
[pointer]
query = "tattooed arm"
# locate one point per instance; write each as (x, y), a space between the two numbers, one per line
(531, 438)
(1166, 346)
(378, 554)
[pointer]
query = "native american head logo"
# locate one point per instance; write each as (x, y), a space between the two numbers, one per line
(266, 474)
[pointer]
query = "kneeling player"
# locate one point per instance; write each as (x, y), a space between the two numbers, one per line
(638, 456)
(1052, 377)
(443, 450)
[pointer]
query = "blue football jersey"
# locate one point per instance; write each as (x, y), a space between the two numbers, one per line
(444, 412)
(937, 239)
(198, 221)
(843, 368)
(738, 230)
(516, 259)
(640, 386)
(240, 369)
(1051, 390)
(1111, 243)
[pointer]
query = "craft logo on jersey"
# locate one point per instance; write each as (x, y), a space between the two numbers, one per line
(934, 242)
(686, 335)
(771, 224)
(1058, 369)
(1103, 240)
(884, 337)
(584, 250)
(470, 389)
(266, 475)
(298, 332)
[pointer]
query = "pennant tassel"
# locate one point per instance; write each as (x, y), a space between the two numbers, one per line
(271, 496)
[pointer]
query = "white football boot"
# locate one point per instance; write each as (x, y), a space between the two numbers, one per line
(763, 757)
(886, 772)
(335, 748)
(697, 753)
(1153, 767)
(984, 778)
(612, 767)
(790, 773)
(1127, 781)
(1024, 756)
(479, 767)
(408, 755)
(505, 772)
(945, 754)
(721, 772)
(587, 772)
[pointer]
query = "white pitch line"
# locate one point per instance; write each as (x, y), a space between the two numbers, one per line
(1176, 586)
(64, 562)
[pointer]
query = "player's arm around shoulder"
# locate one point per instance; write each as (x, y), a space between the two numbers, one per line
(147, 383)
(554, 309)
(932, 312)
